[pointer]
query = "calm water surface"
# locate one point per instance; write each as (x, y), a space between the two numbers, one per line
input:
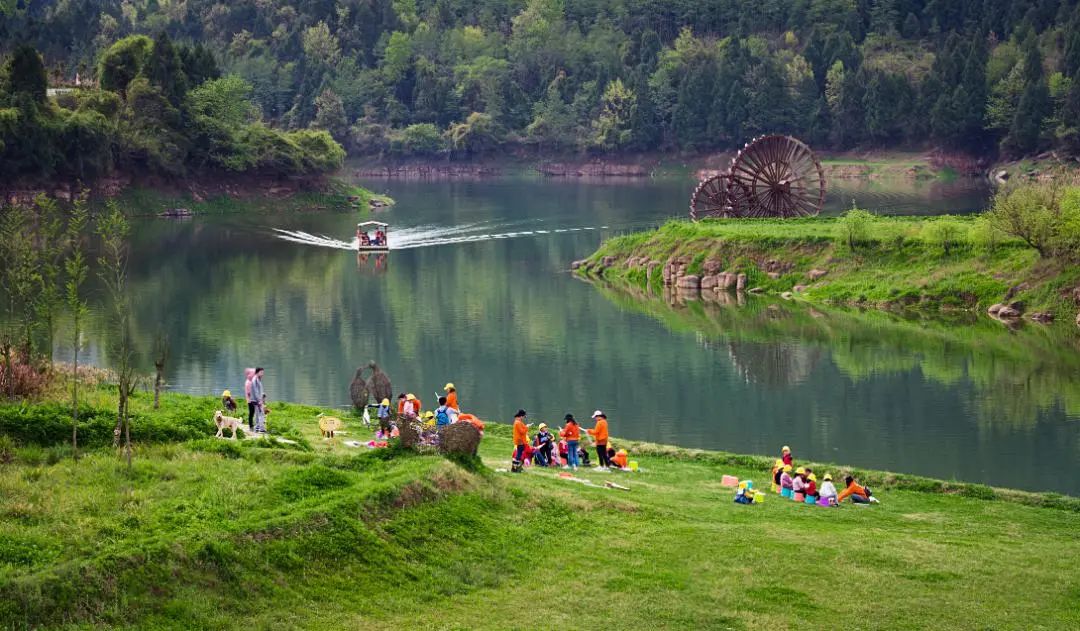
(478, 295)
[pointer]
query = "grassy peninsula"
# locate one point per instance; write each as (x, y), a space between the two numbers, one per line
(211, 533)
(929, 263)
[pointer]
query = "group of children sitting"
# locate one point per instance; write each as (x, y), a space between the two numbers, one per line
(803, 487)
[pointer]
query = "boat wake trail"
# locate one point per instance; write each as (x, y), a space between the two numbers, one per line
(423, 236)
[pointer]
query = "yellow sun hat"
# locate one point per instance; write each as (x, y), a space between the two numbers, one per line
(410, 397)
(800, 471)
(787, 468)
(226, 394)
(385, 402)
(429, 414)
(448, 387)
(542, 426)
(828, 477)
(812, 477)
(622, 452)
(778, 463)
(785, 448)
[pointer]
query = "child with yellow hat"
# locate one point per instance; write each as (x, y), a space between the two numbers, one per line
(798, 485)
(811, 488)
(778, 468)
(785, 455)
(228, 402)
(828, 490)
(786, 482)
(383, 414)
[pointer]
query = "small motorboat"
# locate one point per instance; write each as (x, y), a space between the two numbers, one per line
(371, 236)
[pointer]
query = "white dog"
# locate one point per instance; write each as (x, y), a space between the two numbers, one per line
(229, 422)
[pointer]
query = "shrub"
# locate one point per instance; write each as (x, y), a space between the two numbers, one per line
(854, 227)
(943, 232)
(985, 234)
(1031, 213)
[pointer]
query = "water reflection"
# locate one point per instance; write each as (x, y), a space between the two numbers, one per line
(502, 319)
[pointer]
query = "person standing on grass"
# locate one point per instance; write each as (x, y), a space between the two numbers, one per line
(599, 434)
(451, 400)
(249, 374)
(571, 433)
(521, 440)
(259, 396)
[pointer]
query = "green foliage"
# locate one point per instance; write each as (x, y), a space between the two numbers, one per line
(25, 74)
(945, 233)
(421, 139)
(226, 101)
(122, 62)
(853, 227)
(1033, 214)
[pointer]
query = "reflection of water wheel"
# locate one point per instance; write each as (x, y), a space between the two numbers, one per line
(781, 176)
(711, 198)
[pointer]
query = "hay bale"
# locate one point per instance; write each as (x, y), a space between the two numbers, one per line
(459, 438)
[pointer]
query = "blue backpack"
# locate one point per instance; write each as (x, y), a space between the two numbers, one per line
(441, 417)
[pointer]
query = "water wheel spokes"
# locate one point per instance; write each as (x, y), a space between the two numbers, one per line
(782, 178)
(711, 198)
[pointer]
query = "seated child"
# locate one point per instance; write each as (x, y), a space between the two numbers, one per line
(744, 495)
(583, 457)
(828, 490)
(564, 453)
(811, 488)
(786, 482)
(778, 468)
(228, 403)
(798, 485)
(621, 459)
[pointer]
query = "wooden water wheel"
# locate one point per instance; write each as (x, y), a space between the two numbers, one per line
(772, 176)
(711, 198)
(782, 178)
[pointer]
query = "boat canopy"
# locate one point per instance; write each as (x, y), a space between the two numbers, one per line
(371, 224)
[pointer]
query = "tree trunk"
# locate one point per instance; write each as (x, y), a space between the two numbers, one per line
(75, 408)
(159, 379)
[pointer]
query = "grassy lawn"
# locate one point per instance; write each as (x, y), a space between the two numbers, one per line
(899, 261)
(209, 533)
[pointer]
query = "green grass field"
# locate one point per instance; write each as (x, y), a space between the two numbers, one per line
(898, 262)
(208, 533)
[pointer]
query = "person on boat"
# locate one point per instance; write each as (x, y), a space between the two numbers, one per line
(365, 240)
(380, 237)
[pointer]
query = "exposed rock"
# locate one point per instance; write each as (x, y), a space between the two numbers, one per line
(711, 266)
(689, 281)
(576, 265)
(1001, 176)
(773, 308)
(787, 295)
(1008, 313)
(1017, 305)
(773, 275)
(756, 290)
(740, 283)
(1044, 317)
(608, 261)
(995, 308)
(815, 274)
(459, 438)
(1078, 319)
(709, 283)
(798, 289)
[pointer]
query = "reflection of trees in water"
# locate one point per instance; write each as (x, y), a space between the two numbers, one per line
(774, 364)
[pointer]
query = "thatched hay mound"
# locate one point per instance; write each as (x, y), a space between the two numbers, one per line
(358, 390)
(459, 438)
(410, 433)
(379, 384)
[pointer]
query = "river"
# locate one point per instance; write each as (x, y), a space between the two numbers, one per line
(476, 292)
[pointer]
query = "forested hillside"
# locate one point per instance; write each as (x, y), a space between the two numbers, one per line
(421, 77)
(159, 110)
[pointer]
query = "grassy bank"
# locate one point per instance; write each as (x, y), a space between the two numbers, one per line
(207, 533)
(943, 263)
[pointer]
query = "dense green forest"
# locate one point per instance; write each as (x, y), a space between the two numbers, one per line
(457, 77)
(160, 108)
